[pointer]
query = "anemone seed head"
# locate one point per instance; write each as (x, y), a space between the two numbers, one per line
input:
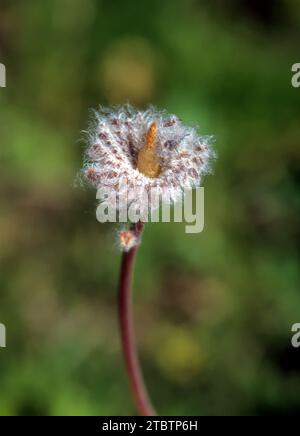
(142, 152)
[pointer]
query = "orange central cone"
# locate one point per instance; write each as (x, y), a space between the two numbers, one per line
(148, 162)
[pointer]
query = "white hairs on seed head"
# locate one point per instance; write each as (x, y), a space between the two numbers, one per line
(115, 138)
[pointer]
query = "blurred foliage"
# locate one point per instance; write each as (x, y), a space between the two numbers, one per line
(213, 311)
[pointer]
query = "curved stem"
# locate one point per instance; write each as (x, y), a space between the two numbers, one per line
(138, 388)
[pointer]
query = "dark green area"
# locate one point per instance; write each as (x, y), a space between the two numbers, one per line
(213, 311)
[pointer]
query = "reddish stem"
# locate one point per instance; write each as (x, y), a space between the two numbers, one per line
(137, 385)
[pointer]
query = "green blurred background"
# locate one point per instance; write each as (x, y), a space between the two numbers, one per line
(213, 311)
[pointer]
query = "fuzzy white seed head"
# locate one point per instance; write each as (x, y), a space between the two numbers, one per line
(144, 151)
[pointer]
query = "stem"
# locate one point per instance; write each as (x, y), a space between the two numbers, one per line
(137, 385)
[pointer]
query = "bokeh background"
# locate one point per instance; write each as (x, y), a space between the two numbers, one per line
(213, 311)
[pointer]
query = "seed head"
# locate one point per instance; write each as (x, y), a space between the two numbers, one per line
(142, 152)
